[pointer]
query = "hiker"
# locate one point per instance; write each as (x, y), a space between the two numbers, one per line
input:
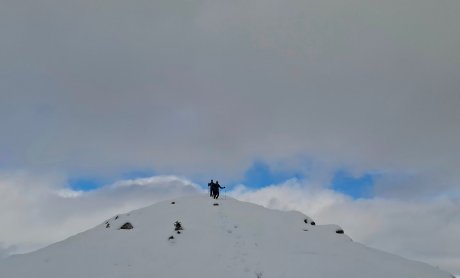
(210, 185)
(215, 189)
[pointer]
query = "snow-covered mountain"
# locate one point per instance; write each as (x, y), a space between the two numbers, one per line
(201, 237)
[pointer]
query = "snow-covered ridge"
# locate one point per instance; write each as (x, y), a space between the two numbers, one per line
(202, 237)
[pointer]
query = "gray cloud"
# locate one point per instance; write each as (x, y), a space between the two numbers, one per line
(97, 87)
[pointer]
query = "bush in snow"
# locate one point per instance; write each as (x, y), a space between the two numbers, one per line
(178, 226)
(339, 231)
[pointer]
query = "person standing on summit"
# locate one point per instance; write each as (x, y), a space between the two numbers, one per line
(210, 185)
(215, 189)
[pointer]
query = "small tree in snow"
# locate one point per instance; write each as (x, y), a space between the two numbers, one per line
(178, 226)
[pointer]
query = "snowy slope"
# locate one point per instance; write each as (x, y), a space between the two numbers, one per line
(232, 240)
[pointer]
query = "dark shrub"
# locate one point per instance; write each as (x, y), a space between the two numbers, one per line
(215, 204)
(305, 220)
(172, 203)
(340, 231)
(313, 223)
(171, 237)
(178, 226)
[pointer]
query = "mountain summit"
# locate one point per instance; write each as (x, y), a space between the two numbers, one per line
(201, 237)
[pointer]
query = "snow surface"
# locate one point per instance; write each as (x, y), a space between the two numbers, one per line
(232, 240)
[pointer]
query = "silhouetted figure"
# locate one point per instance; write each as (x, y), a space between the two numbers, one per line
(210, 185)
(215, 189)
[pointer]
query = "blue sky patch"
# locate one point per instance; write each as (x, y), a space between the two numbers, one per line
(260, 174)
(86, 184)
(92, 183)
(356, 187)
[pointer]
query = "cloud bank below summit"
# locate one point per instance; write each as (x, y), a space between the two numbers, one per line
(50, 211)
(422, 231)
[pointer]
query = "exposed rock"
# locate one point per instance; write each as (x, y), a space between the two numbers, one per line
(126, 226)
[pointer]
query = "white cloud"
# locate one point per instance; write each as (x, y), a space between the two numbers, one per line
(421, 230)
(37, 211)
(6, 250)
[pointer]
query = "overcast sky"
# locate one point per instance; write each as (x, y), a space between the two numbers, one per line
(335, 94)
